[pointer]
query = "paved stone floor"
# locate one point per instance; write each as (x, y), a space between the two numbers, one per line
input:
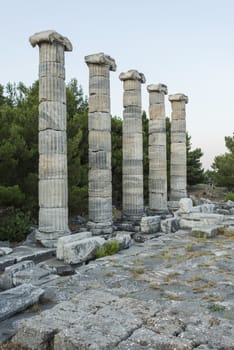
(170, 292)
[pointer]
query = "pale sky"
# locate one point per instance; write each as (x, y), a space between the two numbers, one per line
(185, 44)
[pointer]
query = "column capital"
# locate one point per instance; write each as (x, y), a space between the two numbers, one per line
(178, 97)
(50, 36)
(157, 88)
(101, 59)
(132, 74)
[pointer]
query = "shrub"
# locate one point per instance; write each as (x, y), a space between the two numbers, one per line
(109, 248)
(229, 197)
(14, 225)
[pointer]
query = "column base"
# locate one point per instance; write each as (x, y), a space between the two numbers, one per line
(100, 228)
(50, 239)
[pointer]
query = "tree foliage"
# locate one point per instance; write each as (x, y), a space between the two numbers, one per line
(223, 165)
(19, 150)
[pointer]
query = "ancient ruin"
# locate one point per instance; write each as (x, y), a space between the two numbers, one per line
(178, 147)
(100, 175)
(133, 196)
(157, 149)
(53, 189)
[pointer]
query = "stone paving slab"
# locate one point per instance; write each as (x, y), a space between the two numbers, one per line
(170, 292)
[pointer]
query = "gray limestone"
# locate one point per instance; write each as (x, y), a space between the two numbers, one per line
(178, 147)
(53, 191)
(82, 250)
(7, 279)
(157, 149)
(133, 198)
(150, 224)
(62, 241)
(185, 205)
(99, 121)
(18, 299)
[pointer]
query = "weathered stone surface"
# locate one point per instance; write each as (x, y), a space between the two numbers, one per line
(51, 37)
(186, 205)
(53, 193)
(204, 232)
(62, 241)
(178, 147)
(133, 202)
(7, 279)
(82, 250)
(150, 224)
(199, 220)
(124, 239)
(99, 321)
(169, 225)
(100, 186)
(157, 149)
(18, 299)
(170, 292)
(22, 253)
(5, 251)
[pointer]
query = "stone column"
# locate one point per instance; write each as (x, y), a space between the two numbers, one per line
(157, 149)
(100, 176)
(133, 196)
(178, 147)
(53, 188)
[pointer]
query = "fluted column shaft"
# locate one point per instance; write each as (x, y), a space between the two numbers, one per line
(100, 175)
(178, 147)
(133, 195)
(53, 187)
(157, 149)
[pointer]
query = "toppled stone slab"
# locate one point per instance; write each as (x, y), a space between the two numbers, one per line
(169, 225)
(150, 224)
(7, 279)
(204, 232)
(93, 320)
(185, 205)
(199, 220)
(5, 251)
(82, 250)
(123, 238)
(69, 239)
(22, 253)
(18, 299)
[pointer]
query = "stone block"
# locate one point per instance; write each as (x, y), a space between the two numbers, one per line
(52, 141)
(52, 115)
(185, 205)
(53, 220)
(204, 232)
(150, 224)
(132, 98)
(99, 121)
(100, 209)
(200, 220)
(52, 89)
(157, 125)
(69, 239)
(51, 69)
(51, 53)
(99, 140)
(124, 239)
(169, 225)
(99, 103)
(53, 193)
(157, 111)
(100, 159)
(82, 250)
(7, 278)
(52, 166)
(18, 299)
(5, 251)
